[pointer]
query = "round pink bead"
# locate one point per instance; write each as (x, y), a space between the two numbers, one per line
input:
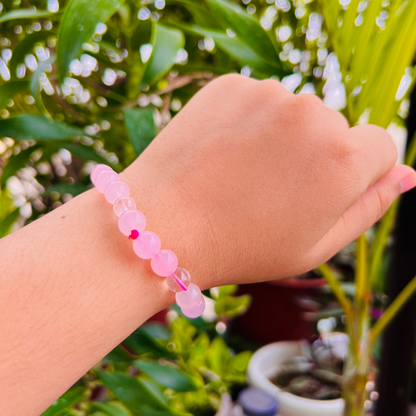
(124, 203)
(115, 190)
(104, 178)
(147, 245)
(164, 263)
(190, 298)
(195, 312)
(131, 220)
(97, 170)
(183, 275)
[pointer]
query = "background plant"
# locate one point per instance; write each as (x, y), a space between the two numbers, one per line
(92, 81)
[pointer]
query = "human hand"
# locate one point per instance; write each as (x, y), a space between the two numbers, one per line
(264, 184)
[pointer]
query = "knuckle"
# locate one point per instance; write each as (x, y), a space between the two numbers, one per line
(229, 80)
(305, 108)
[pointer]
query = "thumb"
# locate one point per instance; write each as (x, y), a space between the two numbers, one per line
(366, 211)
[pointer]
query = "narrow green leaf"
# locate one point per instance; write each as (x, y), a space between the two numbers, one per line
(235, 48)
(135, 394)
(143, 342)
(85, 152)
(31, 127)
(240, 361)
(35, 86)
(67, 188)
(71, 397)
(166, 43)
(141, 127)
(16, 163)
(9, 90)
(24, 47)
(7, 222)
(168, 376)
(78, 26)
(247, 28)
(110, 409)
(24, 14)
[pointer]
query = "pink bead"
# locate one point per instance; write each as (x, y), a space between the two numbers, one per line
(124, 203)
(189, 299)
(104, 178)
(195, 312)
(115, 190)
(147, 245)
(131, 220)
(97, 170)
(164, 263)
(183, 275)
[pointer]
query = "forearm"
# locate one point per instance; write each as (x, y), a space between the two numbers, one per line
(72, 289)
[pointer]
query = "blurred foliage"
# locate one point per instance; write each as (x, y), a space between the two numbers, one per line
(89, 81)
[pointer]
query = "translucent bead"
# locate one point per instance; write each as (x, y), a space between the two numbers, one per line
(104, 178)
(183, 275)
(115, 190)
(124, 203)
(97, 170)
(131, 220)
(195, 312)
(190, 298)
(164, 263)
(147, 245)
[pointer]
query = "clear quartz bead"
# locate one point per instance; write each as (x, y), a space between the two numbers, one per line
(122, 204)
(183, 275)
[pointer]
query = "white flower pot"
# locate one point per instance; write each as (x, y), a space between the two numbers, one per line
(266, 363)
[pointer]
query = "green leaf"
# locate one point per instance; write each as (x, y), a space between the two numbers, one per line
(166, 43)
(35, 86)
(24, 47)
(235, 48)
(78, 26)
(232, 306)
(247, 28)
(240, 361)
(7, 222)
(143, 342)
(110, 409)
(31, 127)
(168, 375)
(85, 152)
(119, 355)
(141, 127)
(135, 394)
(227, 291)
(71, 397)
(67, 188)
(24, 14)
(16, 163)
(9, 90)
(219, 355)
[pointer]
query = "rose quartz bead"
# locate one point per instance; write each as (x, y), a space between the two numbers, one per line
(189, 299)
(195, 312)
(132, 220)
(164, 263)
(124, 203)
(97, 170)
(147, 245)
(183, 275)
(115, 190)
(104, 178)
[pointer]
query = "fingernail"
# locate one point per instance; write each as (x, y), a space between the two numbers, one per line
(408, 183)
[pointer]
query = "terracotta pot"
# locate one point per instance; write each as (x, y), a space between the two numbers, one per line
(274, 314)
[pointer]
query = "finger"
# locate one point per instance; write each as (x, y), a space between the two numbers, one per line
(375, 152)
(366, 211)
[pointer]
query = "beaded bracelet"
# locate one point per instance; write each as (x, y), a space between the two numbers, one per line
(146, 244)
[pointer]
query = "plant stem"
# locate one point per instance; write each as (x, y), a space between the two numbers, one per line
(392, 310)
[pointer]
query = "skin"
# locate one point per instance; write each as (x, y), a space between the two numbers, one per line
(248, 183)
